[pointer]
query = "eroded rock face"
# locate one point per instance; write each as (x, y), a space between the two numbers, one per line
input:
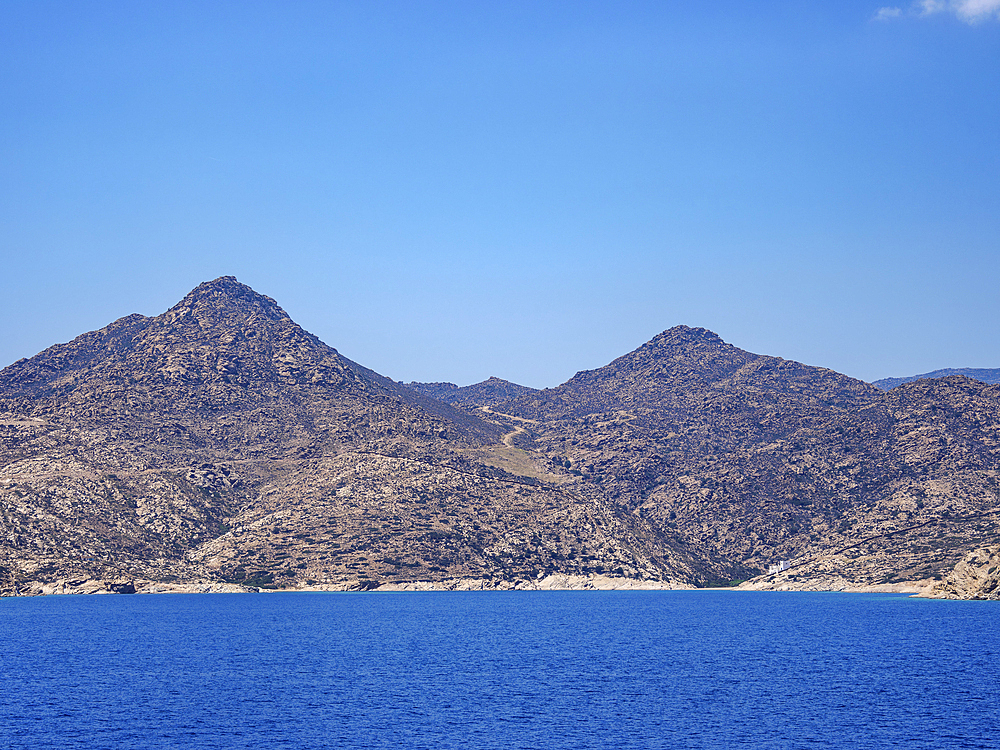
(977, 576)
(219, 444)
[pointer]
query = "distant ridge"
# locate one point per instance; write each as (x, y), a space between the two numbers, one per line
(981, 374)
(487, 393)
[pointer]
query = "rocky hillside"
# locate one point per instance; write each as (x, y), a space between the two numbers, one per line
(219, 443)
(745, 460)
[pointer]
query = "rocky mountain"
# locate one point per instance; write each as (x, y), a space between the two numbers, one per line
(982, 375)
(745, 460)
(220, 444)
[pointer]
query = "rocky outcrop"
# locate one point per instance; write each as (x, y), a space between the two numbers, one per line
(977, 576)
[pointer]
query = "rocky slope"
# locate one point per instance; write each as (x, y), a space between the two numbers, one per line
(220, 445)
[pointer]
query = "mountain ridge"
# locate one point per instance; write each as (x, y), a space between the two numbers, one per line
(221, 444)
(984, 375)
(490, 391)
(171, 447)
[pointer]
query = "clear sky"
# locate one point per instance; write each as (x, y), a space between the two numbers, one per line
(453, 190)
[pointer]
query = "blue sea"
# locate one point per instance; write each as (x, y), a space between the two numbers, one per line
(640, 669)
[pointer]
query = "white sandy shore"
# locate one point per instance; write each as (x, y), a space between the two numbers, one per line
(555, 582)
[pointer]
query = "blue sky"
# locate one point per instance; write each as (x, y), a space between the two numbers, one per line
(453, 190)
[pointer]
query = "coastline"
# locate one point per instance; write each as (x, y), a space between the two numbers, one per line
(555, 582)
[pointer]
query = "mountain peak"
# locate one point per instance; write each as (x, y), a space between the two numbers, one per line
(223, 299)
(686, 335)
(222, 332)
(679, 361)
(222, 281)
(224, 286)
(222, 346)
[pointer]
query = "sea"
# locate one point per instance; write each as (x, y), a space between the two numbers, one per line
(502, 669)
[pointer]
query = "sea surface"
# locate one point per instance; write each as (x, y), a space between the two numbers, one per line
(548, 670)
